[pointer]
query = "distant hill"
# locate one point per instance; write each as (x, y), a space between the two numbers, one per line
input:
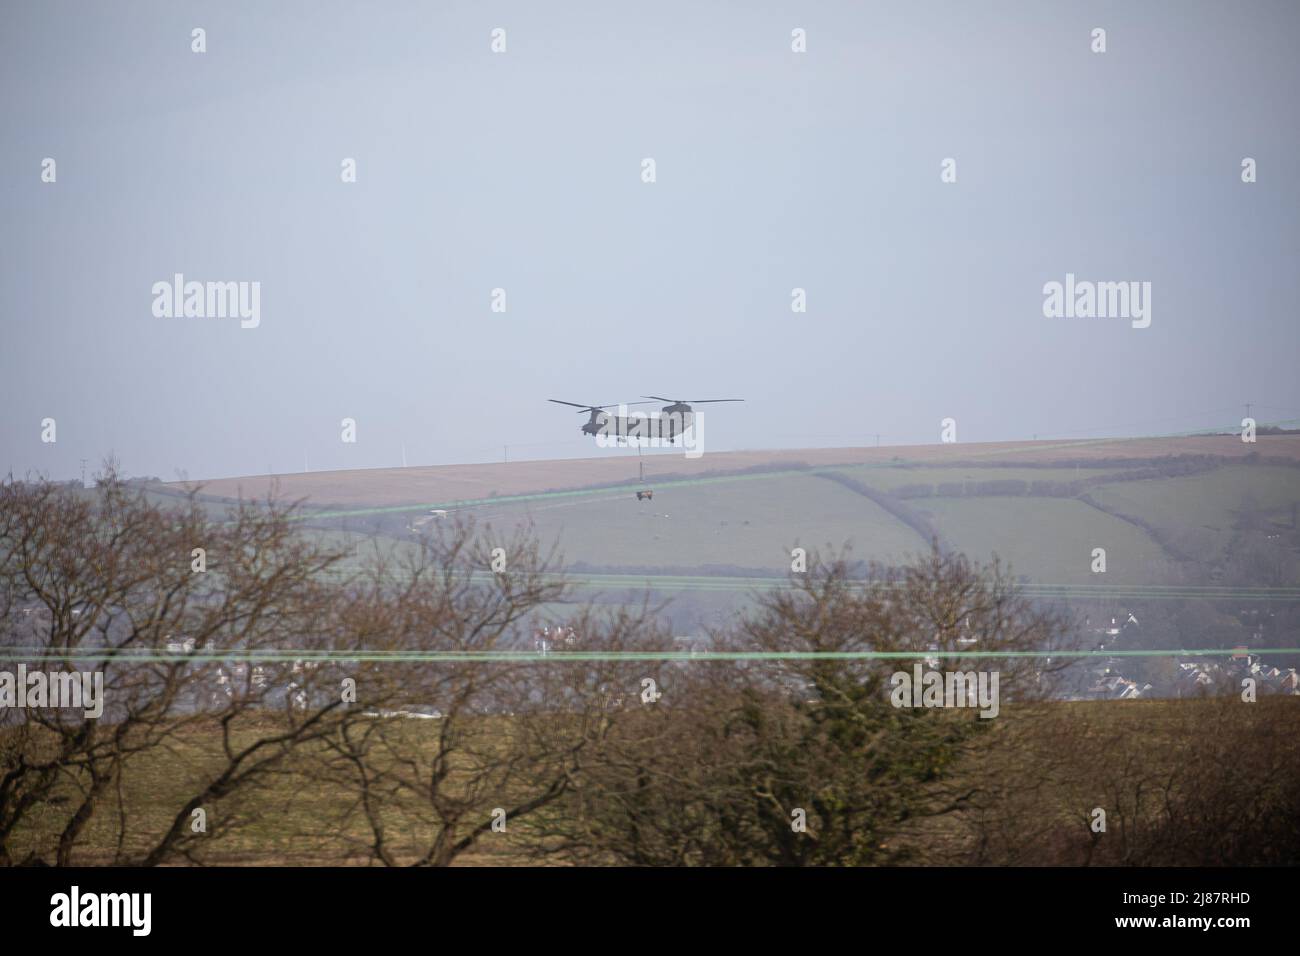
(1180, 519)
(449, 483)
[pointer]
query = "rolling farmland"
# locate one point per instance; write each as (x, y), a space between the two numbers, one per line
(722, 527)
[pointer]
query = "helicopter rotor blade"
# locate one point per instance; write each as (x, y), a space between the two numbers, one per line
(593, 408)
(582, 409)
(691, 401)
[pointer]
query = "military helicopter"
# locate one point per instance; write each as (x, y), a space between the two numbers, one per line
(675, 419)
(678, 412)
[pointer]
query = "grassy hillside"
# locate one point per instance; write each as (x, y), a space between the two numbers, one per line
(1049, 539)
(750, 523)
(1046, 526)
(1202, 511)
(1200, 514)
(380, 487)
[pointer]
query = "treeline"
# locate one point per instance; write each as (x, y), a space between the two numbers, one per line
(258, 709)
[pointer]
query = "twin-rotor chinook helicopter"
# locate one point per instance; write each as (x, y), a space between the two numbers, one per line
(676, 417)
(672, 421)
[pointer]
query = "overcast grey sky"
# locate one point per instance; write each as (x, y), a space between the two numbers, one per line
(522, 170)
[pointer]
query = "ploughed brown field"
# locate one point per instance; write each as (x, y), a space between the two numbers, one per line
(440, 483)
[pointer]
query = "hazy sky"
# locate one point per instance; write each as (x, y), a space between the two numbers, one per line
(522, 170)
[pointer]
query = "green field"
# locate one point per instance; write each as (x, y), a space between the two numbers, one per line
(1203, 509)
(1049, 539)
(746, 523)
(728, 524)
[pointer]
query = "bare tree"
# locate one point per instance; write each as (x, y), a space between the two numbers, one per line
(193, 623)
(482, 733)
(1202, 782)
(797, 755)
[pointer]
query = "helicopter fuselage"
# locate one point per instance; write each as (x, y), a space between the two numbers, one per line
(666, 425)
